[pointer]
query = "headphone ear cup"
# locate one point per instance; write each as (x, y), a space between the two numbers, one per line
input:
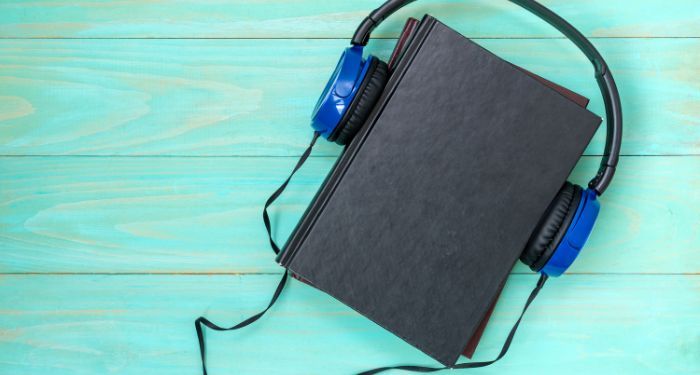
(552, 227)
(368, 93)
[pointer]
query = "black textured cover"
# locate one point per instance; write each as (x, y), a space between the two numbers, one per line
(430, 206)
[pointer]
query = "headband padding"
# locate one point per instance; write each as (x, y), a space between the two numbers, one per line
(552, 227)
(368, 93)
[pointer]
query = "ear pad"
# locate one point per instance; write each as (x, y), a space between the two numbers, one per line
(367, 95)
(552, 227)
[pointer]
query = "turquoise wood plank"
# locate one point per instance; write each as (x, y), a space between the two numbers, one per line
(336, 19)
(144, 325)
(239, 97)
(630, 305)
(166, 214)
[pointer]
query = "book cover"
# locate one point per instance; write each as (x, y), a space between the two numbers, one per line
(428, 209)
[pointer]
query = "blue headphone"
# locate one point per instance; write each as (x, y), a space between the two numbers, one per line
(357, 83)
(349, 98)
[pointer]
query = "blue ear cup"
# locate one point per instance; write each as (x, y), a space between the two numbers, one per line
(562, 230)
(345, 86)
(576, 235)
(363, 104)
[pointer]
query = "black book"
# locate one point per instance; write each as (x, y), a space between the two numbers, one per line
(429, 207)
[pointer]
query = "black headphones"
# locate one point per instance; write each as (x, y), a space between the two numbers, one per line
(352, 93)
(357, 83)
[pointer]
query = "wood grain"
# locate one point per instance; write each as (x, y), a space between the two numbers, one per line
(240, 97)
(153, 215)
(622, 324)
(333, 19)
(135, 158)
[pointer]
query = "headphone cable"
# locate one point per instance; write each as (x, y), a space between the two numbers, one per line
(202, 321)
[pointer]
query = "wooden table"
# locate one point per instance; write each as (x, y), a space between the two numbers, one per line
(139, 140)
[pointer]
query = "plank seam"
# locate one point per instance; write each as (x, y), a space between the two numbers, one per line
(278, 156)
(280, 273)
(334, 38)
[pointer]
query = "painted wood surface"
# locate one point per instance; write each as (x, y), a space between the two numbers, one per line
(139, 139)
(91, 324)
(165, 214)
(333, 18)
(238, 97)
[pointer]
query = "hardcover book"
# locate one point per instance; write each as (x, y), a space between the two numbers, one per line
(429, 207)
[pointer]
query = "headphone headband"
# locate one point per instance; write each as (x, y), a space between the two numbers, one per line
(611, 97)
